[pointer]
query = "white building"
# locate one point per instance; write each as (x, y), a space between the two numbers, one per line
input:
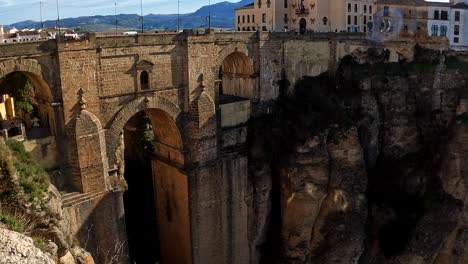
(458, 34)
(438, 19)
(1, 29)
(449, 20)
(20, 36)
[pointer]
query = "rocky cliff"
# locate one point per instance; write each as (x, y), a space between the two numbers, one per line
(365, 165)
(32, 226)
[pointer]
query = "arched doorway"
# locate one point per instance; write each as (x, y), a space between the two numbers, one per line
(236, 73)
(302, 26)
(156, 203)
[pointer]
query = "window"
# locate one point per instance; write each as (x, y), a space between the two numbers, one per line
(455, 40)
(286, 19)
(264, 28)
(248, 18)
(355, 20)
(456, 30)
(243, 19)
(436, 14)
(444, 15)
(386, 11)
(365, 20)
(268, 3)
(238, 19)
(443, 31)
(349, 7)
(248, 28)
(365, 9)
(253, 18)
(264, 18)
(355, 8)
(370, 9)
(370, 18)
(434, 30)
(325, 20)
(457, 15)
(238, 29)
(144, 80)
(259, 3)
(285, 3)
(349, 20)
(243, 28)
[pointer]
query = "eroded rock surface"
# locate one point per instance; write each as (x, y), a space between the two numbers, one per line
(367, 166)
(16, 248)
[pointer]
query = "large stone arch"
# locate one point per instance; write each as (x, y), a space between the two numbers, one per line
(236, 71)
(114, 131)
(226, 51)
(31, 68)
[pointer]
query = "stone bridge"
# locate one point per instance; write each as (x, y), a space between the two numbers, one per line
(197, 91)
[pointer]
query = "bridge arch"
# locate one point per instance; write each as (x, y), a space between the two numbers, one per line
(156, 202)
(32, 72)
(237, 75)
(114, 131)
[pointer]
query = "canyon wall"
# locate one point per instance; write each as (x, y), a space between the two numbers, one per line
(364, 164)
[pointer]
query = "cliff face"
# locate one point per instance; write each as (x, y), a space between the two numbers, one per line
(366, 166)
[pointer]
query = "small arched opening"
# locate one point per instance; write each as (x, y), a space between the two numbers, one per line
(156, 203)
(236, 74)
(302, 26)
(32, 104)
(144, 80)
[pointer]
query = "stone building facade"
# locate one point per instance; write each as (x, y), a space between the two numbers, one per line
(306, 15)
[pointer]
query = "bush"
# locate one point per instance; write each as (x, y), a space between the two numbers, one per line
(12, 223)
(32, 177)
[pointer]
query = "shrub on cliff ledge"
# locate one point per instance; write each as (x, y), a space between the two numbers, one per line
(32, 177)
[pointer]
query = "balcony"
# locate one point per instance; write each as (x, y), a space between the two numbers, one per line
(302, 11)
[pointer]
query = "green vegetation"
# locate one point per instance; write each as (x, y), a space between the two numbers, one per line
(40, 243)
(21, 88)
(12, 223)
(32, 177)
(6, 163)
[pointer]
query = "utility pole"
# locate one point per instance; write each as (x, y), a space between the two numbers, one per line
(40, 14)
(178, 15)
(209, 15)
(58, 20)
(141, 6)
(116, 21)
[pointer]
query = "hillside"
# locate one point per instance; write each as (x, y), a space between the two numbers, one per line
(222, 16)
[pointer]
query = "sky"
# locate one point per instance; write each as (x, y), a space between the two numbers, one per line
(19, 10)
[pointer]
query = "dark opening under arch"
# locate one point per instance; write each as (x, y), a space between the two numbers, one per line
(156, 203)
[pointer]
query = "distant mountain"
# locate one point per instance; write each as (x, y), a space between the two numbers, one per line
(222, 16)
